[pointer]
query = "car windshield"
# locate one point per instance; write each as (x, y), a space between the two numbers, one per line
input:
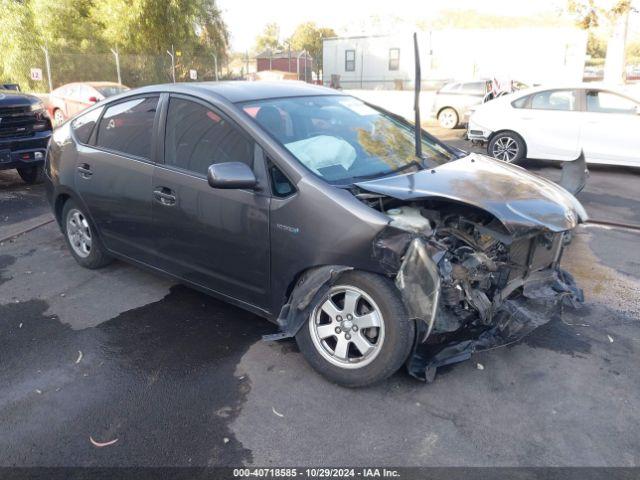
(341, 139)
(110, 90)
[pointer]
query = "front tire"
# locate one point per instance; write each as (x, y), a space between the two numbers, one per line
(31, 175)
(508, 147)
(448, 118)
(359, 333)
(81, 238)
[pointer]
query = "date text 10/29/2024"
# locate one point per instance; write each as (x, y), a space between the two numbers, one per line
(315, 473)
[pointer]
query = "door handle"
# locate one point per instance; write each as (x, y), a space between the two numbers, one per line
(164, 196)
(84, 170)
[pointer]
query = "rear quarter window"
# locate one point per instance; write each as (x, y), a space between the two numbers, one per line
(83, 125)
(520, 102)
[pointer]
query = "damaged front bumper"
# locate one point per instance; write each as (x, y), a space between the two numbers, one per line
(470, 292)
(515, 318)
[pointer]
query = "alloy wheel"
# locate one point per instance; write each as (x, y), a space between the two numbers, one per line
(506, 149)
(79, 233)
(347, 328)
(448, 118)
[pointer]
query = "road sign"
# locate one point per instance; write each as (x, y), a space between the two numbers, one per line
(193, 74)
(36, 74)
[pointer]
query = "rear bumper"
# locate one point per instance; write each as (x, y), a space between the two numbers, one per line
(24, 152)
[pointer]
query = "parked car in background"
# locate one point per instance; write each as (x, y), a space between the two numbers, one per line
(25, 129)
(10, 86)
(69, 99)
(313, 209)
(453, 102)
(557, 123)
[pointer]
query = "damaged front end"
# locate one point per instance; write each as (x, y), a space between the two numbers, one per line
(469, 283)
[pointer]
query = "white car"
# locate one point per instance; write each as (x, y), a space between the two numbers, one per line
(557, 123)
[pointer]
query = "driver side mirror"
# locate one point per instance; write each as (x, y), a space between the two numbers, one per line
(231, 175)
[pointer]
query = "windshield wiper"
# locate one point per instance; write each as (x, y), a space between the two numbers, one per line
(413, 163)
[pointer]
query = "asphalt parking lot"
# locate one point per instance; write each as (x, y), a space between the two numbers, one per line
(179, 378)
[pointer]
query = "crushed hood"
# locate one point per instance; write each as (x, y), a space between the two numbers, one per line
(520, 200)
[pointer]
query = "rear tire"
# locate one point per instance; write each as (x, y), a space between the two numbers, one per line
(448, 118)
(31, 175)
(508, 147)
(341, 340)
(81, 238)
(58, 117)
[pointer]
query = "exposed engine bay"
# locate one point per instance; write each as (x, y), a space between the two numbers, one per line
(471, 283)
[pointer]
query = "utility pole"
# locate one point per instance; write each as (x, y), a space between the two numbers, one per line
(117, 55)
(298, 64)
(215, 64)
(173, 63)
(46, 59)
(246, 60)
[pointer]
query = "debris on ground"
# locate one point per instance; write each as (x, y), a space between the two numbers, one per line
(610, 338)
(479, 366)
(277, 413)
(102, 444)
(225, 440)
(79, 357)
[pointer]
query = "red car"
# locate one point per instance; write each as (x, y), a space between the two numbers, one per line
(69, 99)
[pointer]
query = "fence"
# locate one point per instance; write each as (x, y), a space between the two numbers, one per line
(134, 70)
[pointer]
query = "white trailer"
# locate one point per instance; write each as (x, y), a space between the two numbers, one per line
(531, 55)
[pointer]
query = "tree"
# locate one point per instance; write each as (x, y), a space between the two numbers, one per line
(79, 34)
(152, 26)
(19, 44)
(308, 36)
(269, 39)
(613, 15)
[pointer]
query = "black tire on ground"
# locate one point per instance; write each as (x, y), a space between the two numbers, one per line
(507, 146)
(97, 256)
(31, 175)
(448, 118)
(399, 332)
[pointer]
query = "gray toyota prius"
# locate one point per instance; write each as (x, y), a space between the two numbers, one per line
(316, 211)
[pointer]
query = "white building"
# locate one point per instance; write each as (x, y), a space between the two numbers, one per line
(531, 55)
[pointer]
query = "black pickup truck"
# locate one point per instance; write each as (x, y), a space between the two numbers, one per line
(25, 129)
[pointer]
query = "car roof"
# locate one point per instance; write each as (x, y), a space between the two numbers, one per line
(243, 91)
(572, 86)
(102, 84)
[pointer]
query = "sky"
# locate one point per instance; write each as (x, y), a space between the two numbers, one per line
(247, 18)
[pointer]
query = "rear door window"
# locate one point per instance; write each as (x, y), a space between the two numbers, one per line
(127, 127)
(473, 88)
(607, 102)
(198, 136)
